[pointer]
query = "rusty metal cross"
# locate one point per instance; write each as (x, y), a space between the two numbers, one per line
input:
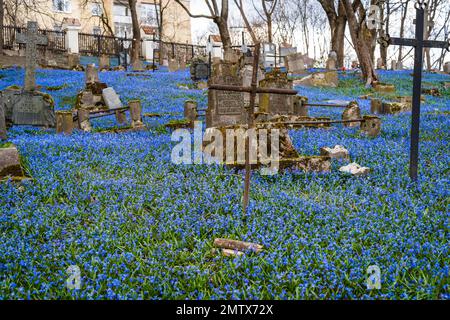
(253, 90)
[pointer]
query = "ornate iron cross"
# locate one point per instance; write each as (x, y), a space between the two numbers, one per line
(31, 39)
(419, 44)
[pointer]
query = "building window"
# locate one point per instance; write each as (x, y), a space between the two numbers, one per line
(148, 14)
(62, 6)
(57, 27)
(97, 9)
(120, 10)
(96, 30)
(123, 29)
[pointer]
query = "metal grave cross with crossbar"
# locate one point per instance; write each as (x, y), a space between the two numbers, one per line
(419, 44)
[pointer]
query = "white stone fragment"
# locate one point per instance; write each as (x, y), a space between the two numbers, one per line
(355, 169)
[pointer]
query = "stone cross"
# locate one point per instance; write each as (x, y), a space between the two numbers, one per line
(419, 44)
(31, 39)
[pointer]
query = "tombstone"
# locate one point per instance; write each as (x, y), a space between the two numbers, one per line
(351, 112)
(394, 65)
(3, 135)
(246, 74)
(136, 114)
(190, 110)
(73, 60)
(64, 122)
(28, 106)
(10, 163)
(225, 107)
(269, 55)
(137, 66)
(276, 103)
(300, 107)
(83, 120)
(173, 65)
(332, 61)
(380, 64)
(371, 126)
(199, 70)
(111, 99)
(447, 67)
(103, 63)
(91, 74)
(295, 63)
(400, 65)
(284, 52)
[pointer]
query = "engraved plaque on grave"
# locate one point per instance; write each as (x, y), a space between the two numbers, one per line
(225, 107)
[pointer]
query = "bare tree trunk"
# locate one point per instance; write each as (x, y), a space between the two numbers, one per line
(136, 43)
(338, 23)
(402, 29)
(220, 18)
(383, 49)
(360, 42)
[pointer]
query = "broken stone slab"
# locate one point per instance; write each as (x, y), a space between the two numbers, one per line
(435, 92)
(10, 162)
(352, 112)
(308, 164)
(237, 245)
(384, 88)
(338, 152)
(111, 99)
(395, 107)
(320, 79)
(355, 169)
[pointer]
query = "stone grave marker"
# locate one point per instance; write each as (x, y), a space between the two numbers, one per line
(276, 103)
(103, 63)
(225, 107)
(295, 63)
(3, 135)
(91, 74)
(111, 99)
(447, 67)
(28, 106)
(332, 61)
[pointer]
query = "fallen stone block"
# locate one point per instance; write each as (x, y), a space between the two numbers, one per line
(355, 169)
(338, 152)
(237, 245)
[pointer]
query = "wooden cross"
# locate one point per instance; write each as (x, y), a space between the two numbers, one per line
(253, 90)
(31, 39)
(419, 44)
